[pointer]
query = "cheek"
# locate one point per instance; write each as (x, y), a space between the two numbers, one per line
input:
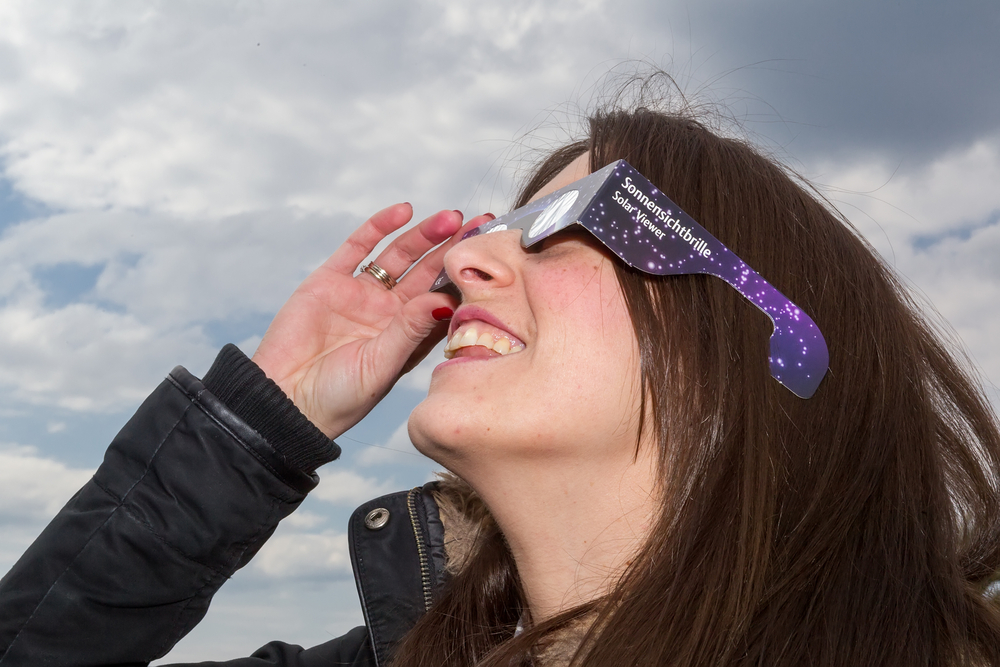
(588, 343)
(584, 302)
(564, 289)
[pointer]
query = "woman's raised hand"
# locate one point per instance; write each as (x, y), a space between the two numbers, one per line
(341, 341)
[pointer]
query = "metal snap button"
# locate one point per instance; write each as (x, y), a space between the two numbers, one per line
(377, 518)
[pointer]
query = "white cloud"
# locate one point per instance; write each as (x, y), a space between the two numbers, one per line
(211, 111)
(397, 450)
(168, 270)
(204, 158)
(514, 23)
(250, 611)
(162, 282)
(304, 519)
(34, 487)
(345, 487)
(83, 358)
(298, 554)
(898, 203)
(939, 225)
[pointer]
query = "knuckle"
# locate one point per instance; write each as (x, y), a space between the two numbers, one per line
(414, 330)
(357, 245)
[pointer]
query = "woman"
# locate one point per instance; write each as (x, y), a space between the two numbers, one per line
(631, 485)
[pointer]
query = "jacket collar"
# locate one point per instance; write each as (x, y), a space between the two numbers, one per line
(398, 555)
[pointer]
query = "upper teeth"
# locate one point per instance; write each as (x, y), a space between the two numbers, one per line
(469, 336)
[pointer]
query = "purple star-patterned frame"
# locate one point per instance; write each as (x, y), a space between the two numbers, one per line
(649, 232)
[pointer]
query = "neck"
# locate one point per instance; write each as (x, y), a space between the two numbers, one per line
(573, 528)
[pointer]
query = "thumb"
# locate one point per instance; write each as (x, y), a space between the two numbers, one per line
(415, 330)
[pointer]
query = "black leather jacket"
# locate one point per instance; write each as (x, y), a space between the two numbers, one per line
(187, 494)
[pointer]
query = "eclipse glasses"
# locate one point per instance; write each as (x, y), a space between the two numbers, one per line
(650, 233)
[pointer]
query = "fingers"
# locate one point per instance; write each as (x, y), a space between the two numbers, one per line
(400, 255)
(364, 239)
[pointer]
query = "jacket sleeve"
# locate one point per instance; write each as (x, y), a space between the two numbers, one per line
(351, 650)
(186, 495)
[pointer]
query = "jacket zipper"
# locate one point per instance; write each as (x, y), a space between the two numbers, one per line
(425, 570)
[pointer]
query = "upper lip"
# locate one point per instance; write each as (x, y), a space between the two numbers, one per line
(467, 313)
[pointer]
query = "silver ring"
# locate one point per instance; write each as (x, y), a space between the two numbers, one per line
(379, 274)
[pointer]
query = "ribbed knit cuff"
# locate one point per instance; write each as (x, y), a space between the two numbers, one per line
(242, 386)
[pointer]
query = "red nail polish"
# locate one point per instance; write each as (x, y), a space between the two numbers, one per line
(443, 313)
(490, 216)
(461, 215)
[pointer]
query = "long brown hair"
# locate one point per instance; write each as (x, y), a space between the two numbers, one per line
(858, 527)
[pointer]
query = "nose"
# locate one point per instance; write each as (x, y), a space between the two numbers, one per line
(484, 262)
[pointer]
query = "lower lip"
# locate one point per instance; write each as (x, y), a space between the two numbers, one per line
(460, 360)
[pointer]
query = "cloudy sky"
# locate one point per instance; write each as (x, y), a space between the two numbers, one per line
(170, 170)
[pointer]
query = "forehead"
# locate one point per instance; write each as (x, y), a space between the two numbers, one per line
(571, 173)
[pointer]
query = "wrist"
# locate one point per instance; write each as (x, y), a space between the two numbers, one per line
(246, 390)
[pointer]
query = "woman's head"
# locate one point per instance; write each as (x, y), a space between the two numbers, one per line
(856, 527)
(737, 193)
(563, 396)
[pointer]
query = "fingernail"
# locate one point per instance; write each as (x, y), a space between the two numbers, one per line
(443, 313)
(490, 216)
(460, 214)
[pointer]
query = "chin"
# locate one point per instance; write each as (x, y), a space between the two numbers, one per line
(429, 432)
(447, 431)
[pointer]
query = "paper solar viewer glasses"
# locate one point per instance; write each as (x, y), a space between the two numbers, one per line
(650, 233)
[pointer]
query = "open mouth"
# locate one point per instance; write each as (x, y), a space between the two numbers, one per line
(478, 339)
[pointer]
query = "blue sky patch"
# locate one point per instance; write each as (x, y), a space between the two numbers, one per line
(15, 207)
(962, 232)
(67, 282)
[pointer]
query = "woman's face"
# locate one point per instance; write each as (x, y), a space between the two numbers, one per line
(568, 388)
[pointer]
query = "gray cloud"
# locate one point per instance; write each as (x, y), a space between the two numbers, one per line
(906, 79)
